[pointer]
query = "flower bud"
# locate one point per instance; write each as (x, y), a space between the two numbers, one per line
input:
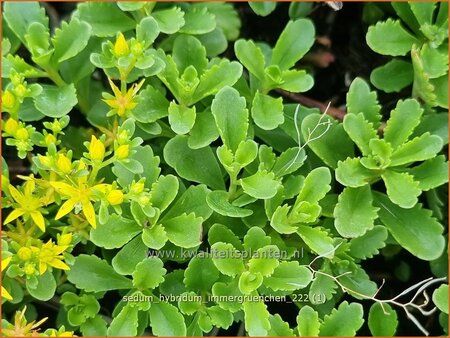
(20, 90)
(10, 126)
(49, 139)
(121, 46)
(137, 48)
(8, 100)
(122, 151)
(96, 149)
(123, 137)
(24, 254)
(144, 200)
(22, 134)
(115, 197)
(45, 161)
(65, 239)
(63, 163)
(137, 188)
(29, 269)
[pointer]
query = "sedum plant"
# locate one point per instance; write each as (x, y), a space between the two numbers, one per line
(170, 191)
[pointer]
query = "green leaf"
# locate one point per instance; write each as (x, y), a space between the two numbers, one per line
(280, 222)
(164, 191)
(37, 39)
(440, 298)
(187, 51)
(147, 30)
(131, 254)
(256, 318)
(315, 186)
(254, 239)
(181, 118)
(352, 173)
(45, 288)
(370, 243)
(227, 259)
(406, 226)
(322, 287)
(382, 320)
(94, 327)
(251, 57)
(293, 43)
(154, 237)
(198, 21)
(56, 101)
(264, 260)
(102, 276)
(228, 109)
(343, 321)
(192, 200)
(230, 292)
(431, 173)
(115, 233)
(278, 327)
(360, 131)
(105, 18)
(221, 233)
(317, 240)
(70, 39)
(166, 321)
(262, 8)
(184, 230)
(198, 165)
(420, 148)
(423, 11)
(361, 100)
(331, 147)
(169, 20)
(390, 38)
(296, 81)
(227, 18)
(440, 85)
(308, 323)
(220, 317)
(151, 105)
(401, 188)
(289, 276)
(128, 6)
(435, 63)
(261, 185)
(267, 112)
(204, 131)
(125, 323)
(218, 201)
(219, 76)
(19, 15)
(190, 305)
(402, 122)
(382, 78)
(354, 213)
(246, 152)
(201, 274)
(149, 273)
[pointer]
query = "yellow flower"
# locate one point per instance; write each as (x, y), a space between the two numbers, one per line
(22, 134)
(24, 253)
(49, 139)
(21, 328)
(115, 197)
(122, 103)
(63, 163)
(8, 100)
(121, 46)
(50, 254)
(78, 195)
(137, 187)
(11, 126)
(122, 151)
(5, 294)
(96, 149)
(29, 205)
(64, 239)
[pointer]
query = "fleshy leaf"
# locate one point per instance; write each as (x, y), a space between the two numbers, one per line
(149, 273)
(368, 244)
(402, 122)
(382, 78)
(278, 327)
(169, 20)
(354, 213)
(361, 100)
(267, 112)
(360, 131)
(102, 276)
(418, 149)
(289, 276)
(382, 320)
(184, 230)
(264, 260)
(231, 117)
(431, 173)
(256, 318)
(406, 226)
(352, 173)
(218, 201)
(227, 259)
(125, 323)
(317, 240)
(181, 118)
(70, 39)
(251, 57)
(56, 101)
(261, 185)
(249, 282)
(115, 233)
(440, 298)
(389, 38)
(308, 322)
(201, 274)
(262, 8)
(315, 186)
(166, 320)
(401, 188)
(343, 321)
(293, 43)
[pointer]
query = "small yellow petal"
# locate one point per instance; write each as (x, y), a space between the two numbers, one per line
(96, 149)
(42, 267)
(38, 219)
(13, 215)
(114, 88)
(5, 294)
(64, 188)
(5, 262)
(66, 208)
(121, 46)
(56, 263)
(16, 194)
(89, 213)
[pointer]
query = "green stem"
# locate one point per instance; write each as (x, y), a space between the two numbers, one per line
(55, 77)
